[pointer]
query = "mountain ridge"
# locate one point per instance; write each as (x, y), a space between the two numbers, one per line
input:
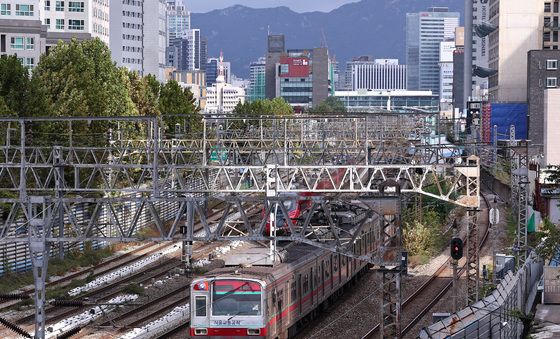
(376, 27)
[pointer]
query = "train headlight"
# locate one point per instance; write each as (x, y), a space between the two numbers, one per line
(201, 286)
(200, 331)
(253, 331)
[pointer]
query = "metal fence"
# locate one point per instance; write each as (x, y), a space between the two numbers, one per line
(498, 315)
(15, 257)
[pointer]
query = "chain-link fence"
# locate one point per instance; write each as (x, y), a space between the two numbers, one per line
(500, 315)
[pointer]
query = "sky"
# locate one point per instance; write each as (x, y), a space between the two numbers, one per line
(202, 6)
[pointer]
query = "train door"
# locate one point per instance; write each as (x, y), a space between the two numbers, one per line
(293, 298)
(279, 308)
(273, 312)
(299, 294)
(322, 278)
(312, 283)
(339, 269)
(331, 272)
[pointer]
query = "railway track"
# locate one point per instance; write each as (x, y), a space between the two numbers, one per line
(109, 291)
(430, 293)
(153, 271)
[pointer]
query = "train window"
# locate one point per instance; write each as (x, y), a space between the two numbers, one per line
(293, 297)
(327, 271)
(335, 266)
(306, 284)
(200, 304)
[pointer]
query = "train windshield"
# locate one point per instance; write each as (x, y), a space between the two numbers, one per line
(236, 297)
(290, 206)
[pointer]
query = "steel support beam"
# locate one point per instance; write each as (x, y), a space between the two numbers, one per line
(473, 262)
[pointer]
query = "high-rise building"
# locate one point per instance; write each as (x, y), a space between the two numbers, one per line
(21, 31)
(276, 46)
(379, 74)
(321, 80)
(203, 52)
(446, 51)
(543, 72)
(458, 69)
(83, 19)
(424, 32)
(481, 15)
(178, 19)
(302, 77)
(212, 71)
(346, 83)
(519, 29)
(178, 54)
(138, 35)
(194, 49)
(551, 24)
(257, 82)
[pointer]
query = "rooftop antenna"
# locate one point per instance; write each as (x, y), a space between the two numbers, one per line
(324, 39)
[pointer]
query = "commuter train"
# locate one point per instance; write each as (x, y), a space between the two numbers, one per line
(298, 203)
(275, 301)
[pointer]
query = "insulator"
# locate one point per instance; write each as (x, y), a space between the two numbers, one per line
(15, 328)
(67, 303)
(14, 296)
(69, 334)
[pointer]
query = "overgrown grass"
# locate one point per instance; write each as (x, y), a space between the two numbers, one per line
(511, 226)
(75, 259)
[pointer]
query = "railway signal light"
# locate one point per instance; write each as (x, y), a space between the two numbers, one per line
(456, 248)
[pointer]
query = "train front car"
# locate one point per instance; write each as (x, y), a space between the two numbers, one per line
(227, 308)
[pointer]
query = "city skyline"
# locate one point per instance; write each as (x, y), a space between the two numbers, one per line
(202, 6)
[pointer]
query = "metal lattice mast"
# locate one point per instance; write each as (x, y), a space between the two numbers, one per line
(519, 160)
(473, 261)
(522, 205)
(473, 264)
(391, 276)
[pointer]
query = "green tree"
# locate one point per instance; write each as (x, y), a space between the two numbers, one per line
(144, 95)
(80, 79)
(14, 82)
(549, 238)
(177, 106)
(19, 94)
(253, 111)
(330, 105)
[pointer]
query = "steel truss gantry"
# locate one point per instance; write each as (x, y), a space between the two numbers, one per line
(338, 162)
(519, 167)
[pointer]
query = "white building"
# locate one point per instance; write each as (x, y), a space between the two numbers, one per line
(390, 101)
(21, 31)
(520, 29)
(81, 19)
(446, 50)
(222, 97)
(380, 75)
(138, 35)
(194, 61)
